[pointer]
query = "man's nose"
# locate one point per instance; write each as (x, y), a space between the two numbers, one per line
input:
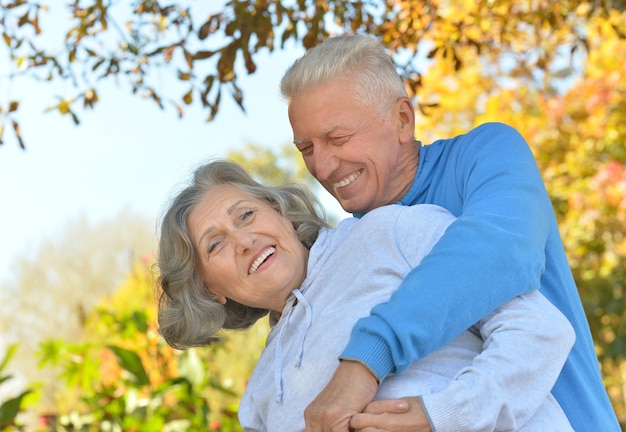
(325, 162)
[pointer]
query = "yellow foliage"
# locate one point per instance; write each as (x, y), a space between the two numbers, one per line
(578, 136)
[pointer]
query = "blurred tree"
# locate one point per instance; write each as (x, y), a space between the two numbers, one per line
(122, 376)
(274, 168)
(204, 46)
(57, 286)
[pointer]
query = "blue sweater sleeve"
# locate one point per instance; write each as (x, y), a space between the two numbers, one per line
(494, 251)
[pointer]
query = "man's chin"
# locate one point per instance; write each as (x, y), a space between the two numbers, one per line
(348, 202)
(350, 206)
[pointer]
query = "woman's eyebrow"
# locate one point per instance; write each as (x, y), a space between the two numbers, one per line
(229, 211)
(233, 207)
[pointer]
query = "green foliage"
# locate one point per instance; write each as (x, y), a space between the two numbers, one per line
(125, 377)
(10, 408)
(116, 392)
(59, 283)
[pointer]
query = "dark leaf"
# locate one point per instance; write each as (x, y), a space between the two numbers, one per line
(131, 363)
(238, 96)
(188, 97)
(90, 98)
(18, 135)
(250, 66)
(188, 58)
(97, 64)
(23, 20)
(9, 410)
(202, 55)
(36, 25)
(168, 52)
(179, 109)
(205, 30)
(226, 63)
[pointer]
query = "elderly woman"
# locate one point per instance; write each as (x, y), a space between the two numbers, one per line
(233, 250)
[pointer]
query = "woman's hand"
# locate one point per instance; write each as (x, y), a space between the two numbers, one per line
(392, 415)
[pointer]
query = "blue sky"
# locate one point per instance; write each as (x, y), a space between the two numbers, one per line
(126, 154)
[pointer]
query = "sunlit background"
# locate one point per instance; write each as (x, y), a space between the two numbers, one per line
(79, 207)
(126, 154)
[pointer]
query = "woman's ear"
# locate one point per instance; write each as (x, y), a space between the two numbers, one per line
(217, 297)
(220, 298)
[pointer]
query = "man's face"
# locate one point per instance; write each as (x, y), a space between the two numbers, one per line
(363, 161)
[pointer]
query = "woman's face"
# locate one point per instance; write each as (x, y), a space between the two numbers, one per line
(245, 250)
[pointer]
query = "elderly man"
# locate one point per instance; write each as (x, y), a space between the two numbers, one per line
(354, 126)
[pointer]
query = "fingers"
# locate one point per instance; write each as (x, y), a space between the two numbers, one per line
(393, 406)
(392, 415)
(370, 429)
(349, 391)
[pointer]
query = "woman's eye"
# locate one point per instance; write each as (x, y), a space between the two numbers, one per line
(247, 215)
(212, 247)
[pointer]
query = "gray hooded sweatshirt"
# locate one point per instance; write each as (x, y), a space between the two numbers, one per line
(495, 376)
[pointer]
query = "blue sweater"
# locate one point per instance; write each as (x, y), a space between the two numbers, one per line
(505, 242)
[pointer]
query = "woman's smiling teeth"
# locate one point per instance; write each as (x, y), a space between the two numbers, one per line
(257, 262)
(348, 180)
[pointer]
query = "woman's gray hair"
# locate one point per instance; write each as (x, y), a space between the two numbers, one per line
(359, 60)
(188, 315)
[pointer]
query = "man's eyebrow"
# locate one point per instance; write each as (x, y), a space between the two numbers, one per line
(329, 130)
(323, 134)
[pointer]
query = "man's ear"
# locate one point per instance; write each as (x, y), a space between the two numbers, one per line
(405, 117)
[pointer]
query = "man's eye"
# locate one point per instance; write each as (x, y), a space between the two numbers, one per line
(338, 140)
(305, 149)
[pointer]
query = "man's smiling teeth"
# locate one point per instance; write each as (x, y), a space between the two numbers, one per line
(348, 180)
(257, 262)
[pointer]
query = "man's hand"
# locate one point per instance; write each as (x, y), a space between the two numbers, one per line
(392, 415)
(349, 391)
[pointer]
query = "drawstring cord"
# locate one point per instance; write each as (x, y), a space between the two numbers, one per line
(308, 316)
(278, 365)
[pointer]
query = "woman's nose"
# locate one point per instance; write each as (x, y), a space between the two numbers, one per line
(244, 241)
